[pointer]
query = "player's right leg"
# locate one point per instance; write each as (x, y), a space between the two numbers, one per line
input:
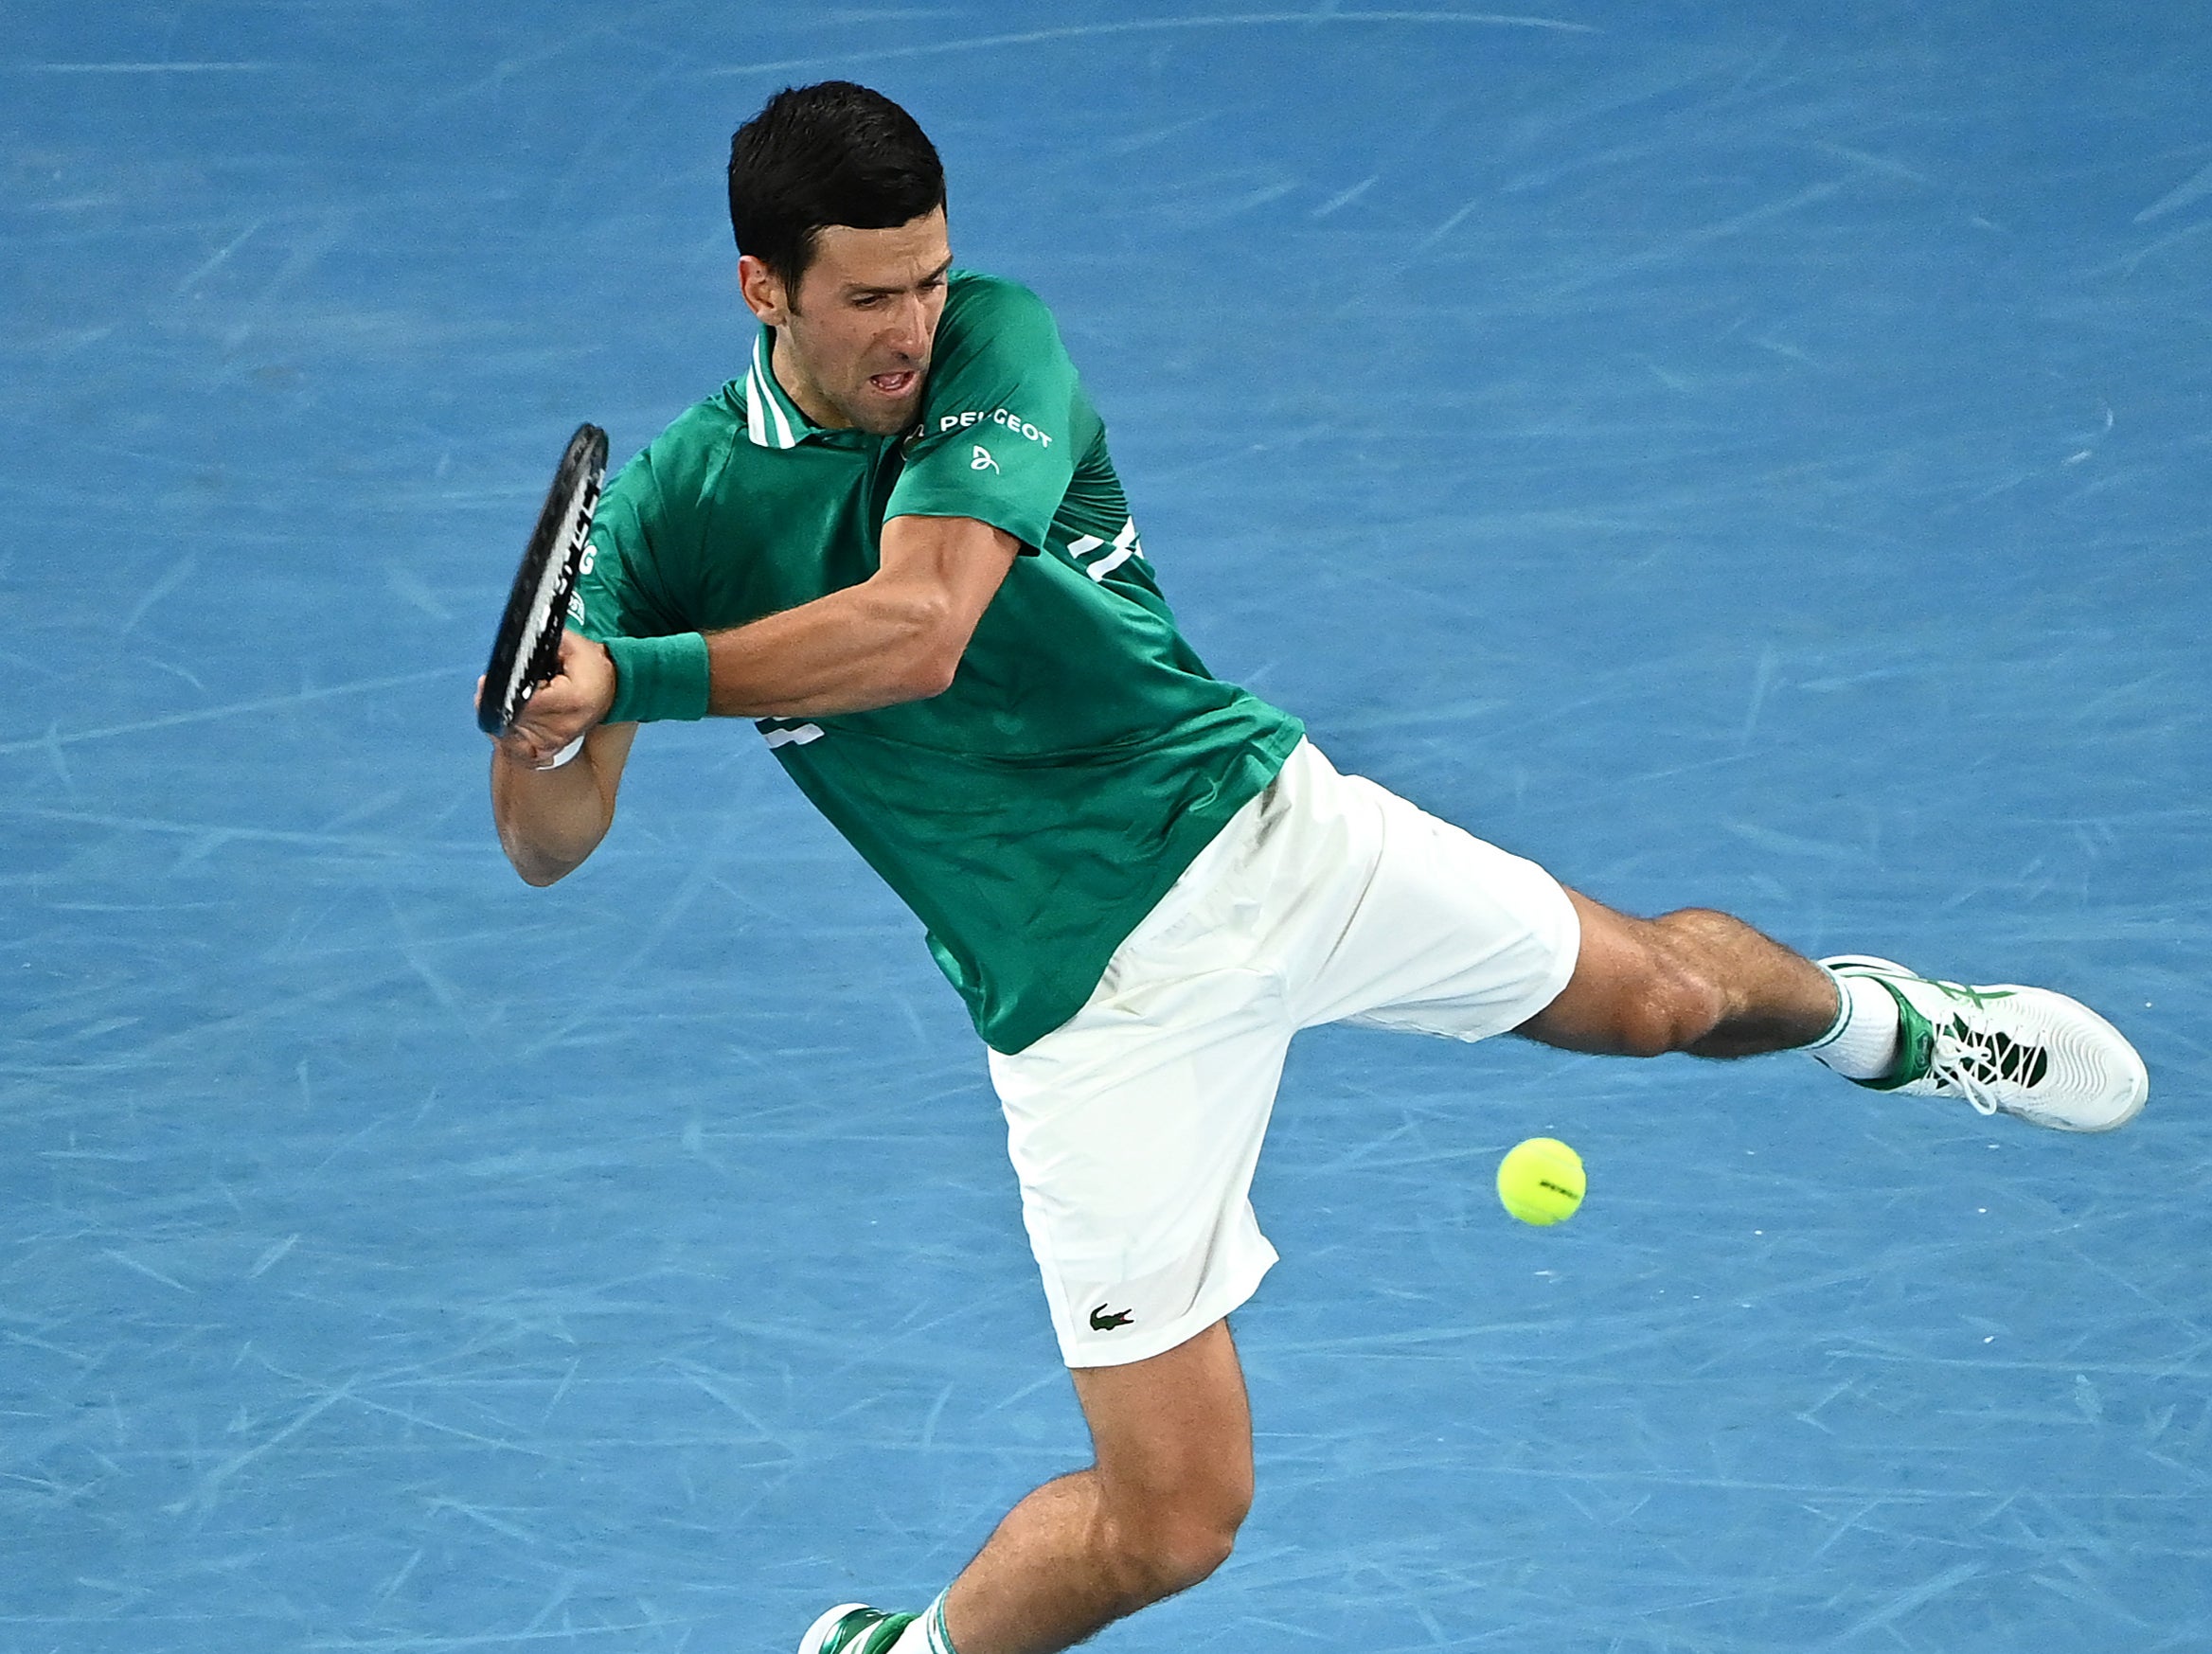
(1134, 1129)
(1155, 1513)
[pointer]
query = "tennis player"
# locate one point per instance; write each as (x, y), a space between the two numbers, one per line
(896, 543)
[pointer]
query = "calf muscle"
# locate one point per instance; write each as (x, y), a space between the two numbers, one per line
(1695, 980)
(1155, 1513)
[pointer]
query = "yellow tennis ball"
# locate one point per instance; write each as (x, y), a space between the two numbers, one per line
(1541, 1181)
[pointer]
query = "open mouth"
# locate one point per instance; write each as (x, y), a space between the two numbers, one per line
(894, 385)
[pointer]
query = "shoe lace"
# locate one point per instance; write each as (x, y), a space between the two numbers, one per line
(1974, 1061)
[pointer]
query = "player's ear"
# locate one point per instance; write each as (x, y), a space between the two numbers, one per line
(762, 290)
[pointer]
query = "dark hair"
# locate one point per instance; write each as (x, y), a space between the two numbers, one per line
(832, 154)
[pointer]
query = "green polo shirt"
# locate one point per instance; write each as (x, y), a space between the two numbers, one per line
(1034, 812)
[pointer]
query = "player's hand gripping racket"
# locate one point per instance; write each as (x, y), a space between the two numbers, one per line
(527, 652)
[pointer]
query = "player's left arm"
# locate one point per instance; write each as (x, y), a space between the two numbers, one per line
(985, 470)
(987, 466)
(897, 636)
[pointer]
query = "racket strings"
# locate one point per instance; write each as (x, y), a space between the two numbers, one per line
(526, 651)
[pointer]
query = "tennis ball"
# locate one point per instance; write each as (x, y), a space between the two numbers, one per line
(1541, 1181)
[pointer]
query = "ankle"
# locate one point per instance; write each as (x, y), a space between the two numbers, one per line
(927, 1633)
(1862, 1043)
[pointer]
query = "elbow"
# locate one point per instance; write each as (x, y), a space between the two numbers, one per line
(933, 646)
(533, 864)
(930, 672)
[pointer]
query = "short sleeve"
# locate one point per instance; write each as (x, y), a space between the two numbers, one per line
(996, 437)
(618, 590)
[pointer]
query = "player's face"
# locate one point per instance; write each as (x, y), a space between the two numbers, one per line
(853, 342)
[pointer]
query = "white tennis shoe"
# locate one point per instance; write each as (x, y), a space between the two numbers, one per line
(853, 1627)
(2006, 1049)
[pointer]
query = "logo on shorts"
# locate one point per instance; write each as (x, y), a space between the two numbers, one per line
(1102, 1322)
(983, 460)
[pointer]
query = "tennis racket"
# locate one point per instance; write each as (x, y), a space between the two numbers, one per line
(526, 651)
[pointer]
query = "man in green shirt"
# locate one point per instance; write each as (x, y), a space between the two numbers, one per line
(898, 545)
(1037, 806)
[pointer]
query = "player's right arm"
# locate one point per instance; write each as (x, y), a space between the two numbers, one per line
(550, 820)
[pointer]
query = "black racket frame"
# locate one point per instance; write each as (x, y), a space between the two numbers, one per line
(571, 500)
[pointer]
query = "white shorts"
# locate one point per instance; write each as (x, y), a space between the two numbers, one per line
(1135, 1125)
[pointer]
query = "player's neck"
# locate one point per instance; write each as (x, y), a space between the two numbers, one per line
(798, 386)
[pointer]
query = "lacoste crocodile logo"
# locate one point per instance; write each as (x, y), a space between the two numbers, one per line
(1102, 1322)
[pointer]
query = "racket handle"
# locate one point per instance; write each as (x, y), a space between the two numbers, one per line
(565, 754)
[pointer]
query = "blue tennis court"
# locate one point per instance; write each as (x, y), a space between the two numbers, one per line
(1737, 456)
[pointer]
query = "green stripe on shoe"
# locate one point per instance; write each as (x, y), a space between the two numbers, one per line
(1916, 1045)
(881, 1639)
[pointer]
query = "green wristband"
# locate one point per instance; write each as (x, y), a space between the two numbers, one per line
(658, 679)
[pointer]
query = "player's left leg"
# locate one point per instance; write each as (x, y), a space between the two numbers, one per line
(1451, 935)
(1701, 982)
(1695, 980)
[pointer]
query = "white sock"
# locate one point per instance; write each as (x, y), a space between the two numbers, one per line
(927, 1633)
(1862, 1043)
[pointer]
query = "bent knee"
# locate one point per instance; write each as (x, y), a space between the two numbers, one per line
(1170, 1549)
(1673, 1003)
(1641, 988)
(1165, 1561)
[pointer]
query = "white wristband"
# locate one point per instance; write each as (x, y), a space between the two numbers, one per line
(565, 754)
